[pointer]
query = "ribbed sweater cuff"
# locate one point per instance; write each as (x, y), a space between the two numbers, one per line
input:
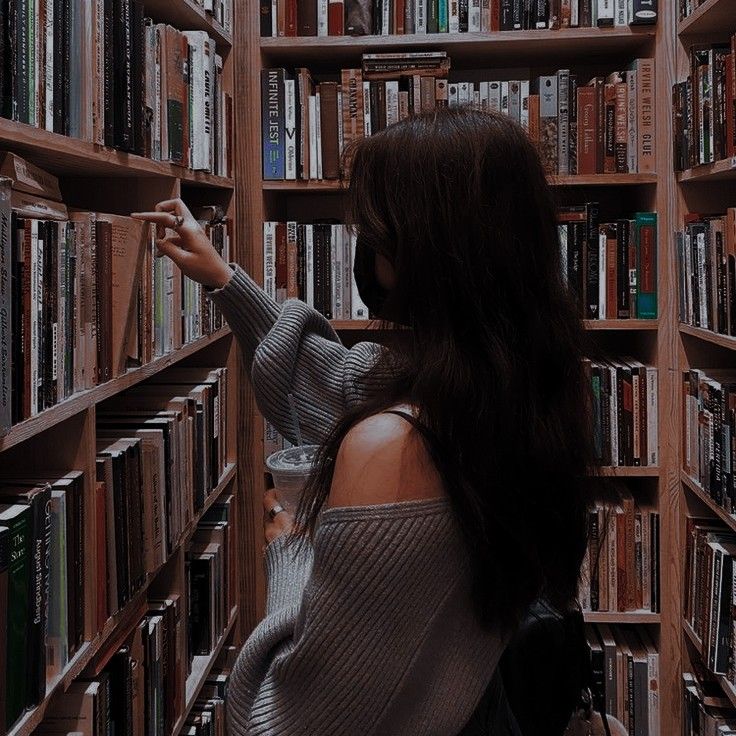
(249, 311)
(288, 567)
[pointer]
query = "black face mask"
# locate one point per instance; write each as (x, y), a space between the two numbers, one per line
(381, 302)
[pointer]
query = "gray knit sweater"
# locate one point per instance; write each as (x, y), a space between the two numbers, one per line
(370, 631)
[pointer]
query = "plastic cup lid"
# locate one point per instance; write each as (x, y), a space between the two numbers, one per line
(294, 460)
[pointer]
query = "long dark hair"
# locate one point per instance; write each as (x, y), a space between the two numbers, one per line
(458, 201)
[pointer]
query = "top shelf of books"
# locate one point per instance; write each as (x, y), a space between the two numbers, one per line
(500, 46)
(711, 16)
(191, 15)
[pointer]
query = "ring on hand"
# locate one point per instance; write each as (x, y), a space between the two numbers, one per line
(277, 509)
(178, 221)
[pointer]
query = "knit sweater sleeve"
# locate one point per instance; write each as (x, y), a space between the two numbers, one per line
(292, 349)
(337, 661)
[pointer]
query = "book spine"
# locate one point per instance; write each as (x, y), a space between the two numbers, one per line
(273, 130)
(646, 235)
(645, 116)
(644, 12)
(592, 263)
(563, 121)
(548, 111)
(6, 308)
(290, 130)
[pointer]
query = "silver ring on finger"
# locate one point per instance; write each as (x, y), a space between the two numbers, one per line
(277, 509)
(178, 221)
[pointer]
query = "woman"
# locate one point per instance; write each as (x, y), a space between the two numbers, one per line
(450, 491)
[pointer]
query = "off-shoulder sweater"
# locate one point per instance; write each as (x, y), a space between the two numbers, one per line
(370, 628)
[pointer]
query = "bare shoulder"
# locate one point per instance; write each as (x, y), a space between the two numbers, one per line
(383, 459)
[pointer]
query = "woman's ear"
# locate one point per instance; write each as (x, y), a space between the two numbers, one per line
(385, 273)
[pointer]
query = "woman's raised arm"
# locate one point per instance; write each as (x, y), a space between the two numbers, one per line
(289, 349)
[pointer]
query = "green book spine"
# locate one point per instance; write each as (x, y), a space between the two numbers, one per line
(19, 572)
(432, 16)
(442, 19)
(646, 261)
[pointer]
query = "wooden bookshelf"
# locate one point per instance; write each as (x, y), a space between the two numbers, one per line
(101, 179)
(695, 190)
(653, 341)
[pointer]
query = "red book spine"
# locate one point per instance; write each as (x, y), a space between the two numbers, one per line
(336, 18)
(290, 17)
(495, 15)
(282, 275)
(399, 16)
(587, 115)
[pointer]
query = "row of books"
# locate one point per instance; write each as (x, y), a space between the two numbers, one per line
(142, 687)
(160, 453)
(706, 266)
(706, 710)
(709, 419)
(605, 125)
(42, 577)
(685, 8)
(704, 107)
(611, 267)
(101, 72)
(399, 17)
(208, 715)
(83, 296)
(624, 395)
(621, 566)
(221, 12)
(709, 566)
(313, 263)
(625, 665)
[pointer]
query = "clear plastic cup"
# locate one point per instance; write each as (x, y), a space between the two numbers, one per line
(291, 469)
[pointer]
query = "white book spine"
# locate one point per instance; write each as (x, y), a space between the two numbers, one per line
(318, 121)
(601, 276)
(574, 13)
(702, 287)
(563, 121)
(474, 16)
(614, 417)
(347, 272)
(420, 16)
(524, 110)
(562, 240)
(652, 422)
(274, 18)
(605, 13)
(631, 123)
(337, 272)
(196, 70)
(367, 109)
(453, 16)
(484, 95)
(494, 96)
(269, 259)
(210, 91)
(358, 309)
(290, 128)
(621, 13)
(313, 137)
(392, 102)
(340, 128)
(385, 17)
(653, 690)
(322, 17)
(309, 262)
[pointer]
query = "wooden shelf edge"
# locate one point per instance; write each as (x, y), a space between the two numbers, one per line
(706, 18)
(83, 158)
(728, 687)
(622, 617)
(546, 36)
(337, 187)
(201, 668)
(724, 169)
(621, 324)
(84, 399)
(627, 471)
(724, 341)
(227, 477)
(699, 492)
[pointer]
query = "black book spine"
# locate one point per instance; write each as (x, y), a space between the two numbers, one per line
(200, 615)
(138, 47)
(67, 64)
(57, 7)
(606, 415)
(433, 21)
(721, 269)
(586, 13)
(110, 107)
(134, 483)
(51, 317)
(644, 12)
(266, 18)
(41, 312)
(122, 537)
(623, 310)
(620, 418)
(16, 330)
(591, 274)
(302, 262)
(6, 61)
(327, 268)
(731, 265)
(21, 107)
(463, 15)
(317, 271)
(506, 15)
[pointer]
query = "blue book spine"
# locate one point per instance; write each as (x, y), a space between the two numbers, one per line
(273, 124)
(646, 258)
(442, 16)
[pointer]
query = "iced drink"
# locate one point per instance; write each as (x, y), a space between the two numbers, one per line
(290, 470)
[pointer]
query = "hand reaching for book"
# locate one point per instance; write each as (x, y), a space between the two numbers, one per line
(186, 243)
